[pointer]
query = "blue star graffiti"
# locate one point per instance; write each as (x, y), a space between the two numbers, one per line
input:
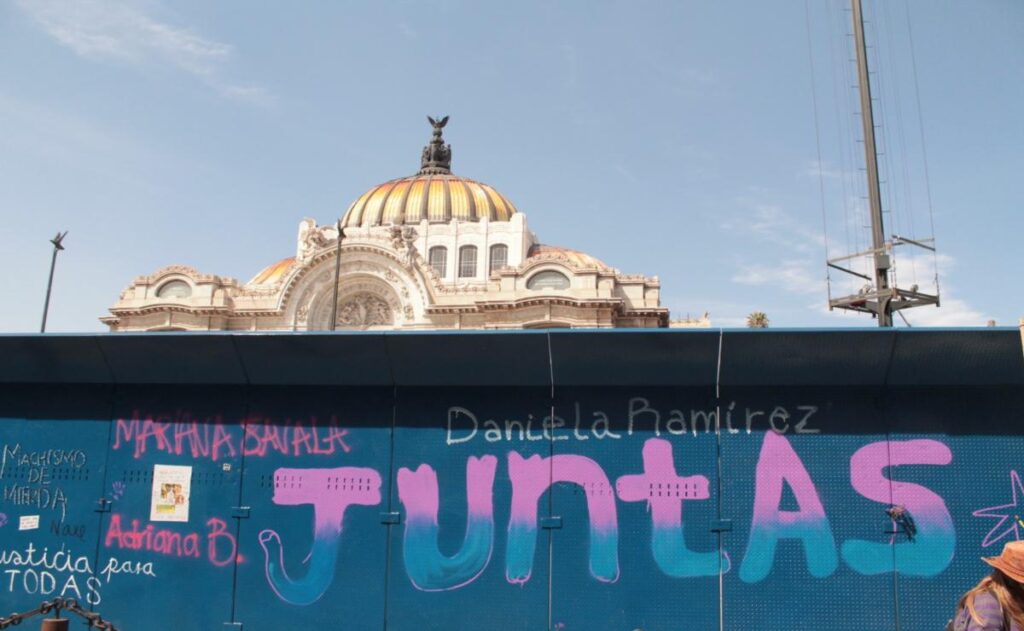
(1009, 522)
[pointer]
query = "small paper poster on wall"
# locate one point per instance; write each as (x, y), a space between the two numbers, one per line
(172, 486)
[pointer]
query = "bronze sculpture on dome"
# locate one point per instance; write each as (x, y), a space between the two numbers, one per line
(438, 124)
(437, 156)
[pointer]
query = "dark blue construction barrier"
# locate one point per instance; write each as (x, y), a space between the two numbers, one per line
(563, 480)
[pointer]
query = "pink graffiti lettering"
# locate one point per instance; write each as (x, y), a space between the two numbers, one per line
(530, 478)
(331, 492)
(151, 539)
(218, 537)
(294, 438)
(665, 491)
(932, 549)
(418, 491)
(779, 464)
(660, 486)
(186, 435)
(222, 547)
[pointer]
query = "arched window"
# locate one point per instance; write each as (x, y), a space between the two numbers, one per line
(439, 260)
(499, 258)
(467, 261)
(548, 279)
(174, 289)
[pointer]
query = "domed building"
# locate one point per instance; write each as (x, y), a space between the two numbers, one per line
(430, 251)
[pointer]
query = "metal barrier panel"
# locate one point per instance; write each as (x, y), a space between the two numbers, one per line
(471, 492)
(802, 502)
(958, 456)
(312, 547)
(167, 543)
(635, 495)
(52, 469)
(520, 481)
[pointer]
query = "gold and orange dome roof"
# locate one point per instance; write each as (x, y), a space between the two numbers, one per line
(434, 194)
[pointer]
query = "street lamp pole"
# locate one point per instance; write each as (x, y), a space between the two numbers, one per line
(337, 278)
(57, 247)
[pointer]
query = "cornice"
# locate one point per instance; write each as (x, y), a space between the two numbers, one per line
(566, 301)
(165, 308)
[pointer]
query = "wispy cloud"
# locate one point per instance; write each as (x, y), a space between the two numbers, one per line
(825, 170)
(793, 260)
(794, 264)
(953, 312)
(922, 269)
(101, 30)
(798, 276)
(772, 224)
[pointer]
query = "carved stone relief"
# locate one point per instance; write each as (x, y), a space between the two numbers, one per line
(403, 243)
(364, 310)
(312, 239)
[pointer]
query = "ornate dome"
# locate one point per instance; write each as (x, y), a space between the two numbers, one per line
(434, 194)
(576, 258)
(273, 272)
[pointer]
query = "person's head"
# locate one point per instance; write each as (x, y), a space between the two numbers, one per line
(1006, 583)
(1010, 563)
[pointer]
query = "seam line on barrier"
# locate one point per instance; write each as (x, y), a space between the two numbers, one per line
(106, 463)
(888, 363)
(106, 362)
(241, 365)
(551, 490)
(391, 482)
(246, 418)
(551, 370)
(718, 481)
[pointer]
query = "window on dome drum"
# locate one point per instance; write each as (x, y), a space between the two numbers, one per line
(467, 261)
(174, 289)
(499, 257)
(548, 280)
(439, 260)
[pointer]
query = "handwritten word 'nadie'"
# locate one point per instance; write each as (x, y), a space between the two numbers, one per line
(215, 439)
(464, 425)
(668, 495)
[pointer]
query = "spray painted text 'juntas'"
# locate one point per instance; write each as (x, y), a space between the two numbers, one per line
(658, 483)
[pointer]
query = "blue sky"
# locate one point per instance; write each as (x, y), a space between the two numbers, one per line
(674, 139)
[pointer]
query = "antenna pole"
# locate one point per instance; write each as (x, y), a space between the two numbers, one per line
(867, 117)
(878, 297)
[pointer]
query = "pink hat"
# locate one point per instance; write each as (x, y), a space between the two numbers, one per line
(1010, 562)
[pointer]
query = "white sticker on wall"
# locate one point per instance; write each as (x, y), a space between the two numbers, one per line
(172, 486)
(28, 522)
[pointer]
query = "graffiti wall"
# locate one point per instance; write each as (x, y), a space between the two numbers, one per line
(635, 505)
